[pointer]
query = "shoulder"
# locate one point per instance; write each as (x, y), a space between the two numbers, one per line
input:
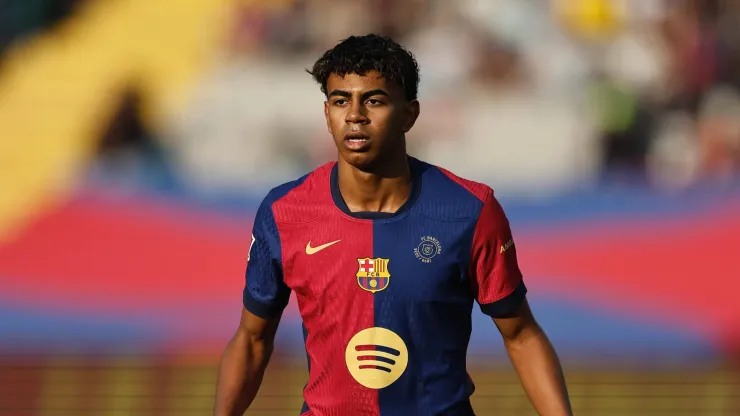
(479, 190)
(452, 197)
(301, 200)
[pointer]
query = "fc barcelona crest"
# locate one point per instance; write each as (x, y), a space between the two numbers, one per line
(372, 274)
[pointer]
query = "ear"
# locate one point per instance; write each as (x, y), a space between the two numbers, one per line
(326, 116)
(412, 111)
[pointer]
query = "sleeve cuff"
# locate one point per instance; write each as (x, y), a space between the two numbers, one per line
(261, 309)
(506, 306)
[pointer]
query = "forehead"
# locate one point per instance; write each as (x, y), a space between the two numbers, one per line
(361, 83)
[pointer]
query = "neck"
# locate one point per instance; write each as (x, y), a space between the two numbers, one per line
(376, 190)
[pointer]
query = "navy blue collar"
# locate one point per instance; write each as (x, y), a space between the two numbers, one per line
(417, 169)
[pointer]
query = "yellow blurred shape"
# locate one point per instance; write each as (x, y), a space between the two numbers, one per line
(191, 388)
(58, 90)
(61, 388)
(590, 19)
(267, 4)
(129, 387)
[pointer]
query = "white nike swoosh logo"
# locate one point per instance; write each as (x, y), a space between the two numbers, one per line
(313, 250)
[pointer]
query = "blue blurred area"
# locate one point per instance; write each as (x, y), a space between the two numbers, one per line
(31, 330)
(579, 327)
(606, 201)
(579, 333)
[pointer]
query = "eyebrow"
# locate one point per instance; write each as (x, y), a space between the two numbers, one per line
(347, 94)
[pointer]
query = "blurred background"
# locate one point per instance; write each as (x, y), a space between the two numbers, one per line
(138, 137)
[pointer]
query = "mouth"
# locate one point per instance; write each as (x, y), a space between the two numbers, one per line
(356, 141)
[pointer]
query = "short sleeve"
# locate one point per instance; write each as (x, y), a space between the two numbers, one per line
(265, 292)
(497, 281)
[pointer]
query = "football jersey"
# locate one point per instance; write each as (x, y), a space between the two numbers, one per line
(385, 299)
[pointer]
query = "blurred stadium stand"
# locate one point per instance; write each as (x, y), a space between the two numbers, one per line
(137, 138)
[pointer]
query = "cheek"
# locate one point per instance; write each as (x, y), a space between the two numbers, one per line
(334, 122)
(389, 123)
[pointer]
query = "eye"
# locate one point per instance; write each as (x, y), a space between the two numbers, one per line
(374, 101)
(340, 102)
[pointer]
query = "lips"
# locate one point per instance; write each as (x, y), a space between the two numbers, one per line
(356, 141)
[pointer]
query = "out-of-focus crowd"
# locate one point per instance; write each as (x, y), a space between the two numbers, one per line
(532, 95)
(22, 18)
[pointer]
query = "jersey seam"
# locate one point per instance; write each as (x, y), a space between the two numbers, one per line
(281, 249)
(298, 222)
(471, 266)
(303, 183)
(503, 296)
(468, 219)
(461, 184)
(271, 310)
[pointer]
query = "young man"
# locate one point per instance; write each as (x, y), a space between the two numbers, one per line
(386, 255)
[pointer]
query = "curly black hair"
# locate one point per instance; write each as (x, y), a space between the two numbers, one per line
(362, 54)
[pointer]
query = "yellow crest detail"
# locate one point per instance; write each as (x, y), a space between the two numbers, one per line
(372, 274)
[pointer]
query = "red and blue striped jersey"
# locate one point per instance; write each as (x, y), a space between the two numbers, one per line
(385, 299)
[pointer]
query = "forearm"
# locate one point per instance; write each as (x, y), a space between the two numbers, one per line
(540, 372)
(240, 375)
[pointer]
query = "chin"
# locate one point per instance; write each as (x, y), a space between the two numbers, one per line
(360, 160)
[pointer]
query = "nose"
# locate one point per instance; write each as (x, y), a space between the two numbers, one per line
(356, 114)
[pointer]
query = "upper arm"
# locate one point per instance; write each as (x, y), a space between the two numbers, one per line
(497, 281)
(518, 321)
(265, 292)
(256, 328)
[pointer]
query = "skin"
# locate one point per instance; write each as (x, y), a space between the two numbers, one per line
(374, 176)
(243, 364)
(535, 361)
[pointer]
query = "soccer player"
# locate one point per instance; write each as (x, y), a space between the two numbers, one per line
(386, 255)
